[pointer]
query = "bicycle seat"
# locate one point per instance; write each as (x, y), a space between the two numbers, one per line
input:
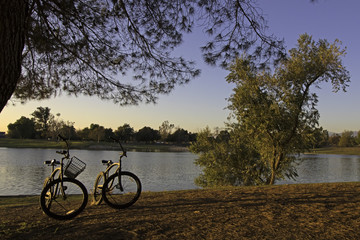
(52, 162)
(109, 162)
(63, 152)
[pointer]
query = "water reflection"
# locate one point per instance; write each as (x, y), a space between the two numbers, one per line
(22, 171)
(327, 168)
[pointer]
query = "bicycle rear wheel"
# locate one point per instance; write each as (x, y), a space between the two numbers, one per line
(124, 193)
(98, 186)
(64, 199)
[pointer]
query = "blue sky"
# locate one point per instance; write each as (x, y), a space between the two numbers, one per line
(202, 102)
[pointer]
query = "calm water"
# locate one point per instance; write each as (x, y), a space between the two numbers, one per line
(22, 171)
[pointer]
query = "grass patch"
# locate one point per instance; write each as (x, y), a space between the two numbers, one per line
(13, 201)
(297, 211)
(337, 150)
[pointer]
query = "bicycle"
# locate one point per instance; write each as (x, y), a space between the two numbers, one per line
(120, 189)
(63, 197)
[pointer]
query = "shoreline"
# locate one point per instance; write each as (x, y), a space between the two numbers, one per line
(91, 145)
(142, 147)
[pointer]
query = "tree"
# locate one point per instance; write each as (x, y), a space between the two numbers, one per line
(22, 128)
(108, 133)
(67, 129)
(179, 136)
(226, 159)
(334, 139)
(320, 138)
(42, 117)
(125, 132)
(275, 113)
(97, 132)
(347, 139)
(84, 134)
(147, 134)
(165, 130)
(84, 47)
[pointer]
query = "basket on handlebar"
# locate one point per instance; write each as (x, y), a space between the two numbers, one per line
(74, 167)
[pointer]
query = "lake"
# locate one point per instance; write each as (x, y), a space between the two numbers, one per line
(22, 171)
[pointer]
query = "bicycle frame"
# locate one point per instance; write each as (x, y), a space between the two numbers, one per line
(110, 164)
(119, 168)
(60, 169)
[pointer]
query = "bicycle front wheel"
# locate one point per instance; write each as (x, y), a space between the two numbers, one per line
(64, 199)
(121, 192)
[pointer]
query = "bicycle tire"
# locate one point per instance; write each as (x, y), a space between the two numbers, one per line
(67, 206)
(46, 182)
(98, 186)
(117, 198)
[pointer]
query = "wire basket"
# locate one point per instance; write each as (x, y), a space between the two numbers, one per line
(74, 167)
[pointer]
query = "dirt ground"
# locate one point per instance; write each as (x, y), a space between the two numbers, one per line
(303, 211)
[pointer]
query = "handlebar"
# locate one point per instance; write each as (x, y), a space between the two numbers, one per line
(122, 148)
(64, 152)
(61, 137)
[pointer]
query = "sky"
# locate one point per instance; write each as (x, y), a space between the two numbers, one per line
(202, 103)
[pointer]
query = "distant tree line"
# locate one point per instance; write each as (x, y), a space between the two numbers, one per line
(44, 125)
(322, 138)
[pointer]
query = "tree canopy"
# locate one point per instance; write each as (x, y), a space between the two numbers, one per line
(275, 112)
(90, 47)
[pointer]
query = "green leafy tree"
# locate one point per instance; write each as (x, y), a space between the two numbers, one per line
(97, 132)
(179, 136)
(22, 128)
(147, 134)
(347, 139)
(226, 159)
(276, 112)
(84, 133)
(84, 47)
(334, 139)
(42, 117)
(108, 133)
(67, 129)
(125, 132)
(320, 138)
(165, 130)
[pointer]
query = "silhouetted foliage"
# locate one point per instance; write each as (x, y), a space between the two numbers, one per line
(147, 134)
(22, 128)
(42, 117)
(89, 47)
(124, 133)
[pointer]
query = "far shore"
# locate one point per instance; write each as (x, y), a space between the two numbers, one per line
(142, 147)
(92, 145)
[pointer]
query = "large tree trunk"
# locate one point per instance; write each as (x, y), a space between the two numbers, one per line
(12, 35)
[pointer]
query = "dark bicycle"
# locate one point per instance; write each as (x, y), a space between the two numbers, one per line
(64, 197)
(119, 189)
